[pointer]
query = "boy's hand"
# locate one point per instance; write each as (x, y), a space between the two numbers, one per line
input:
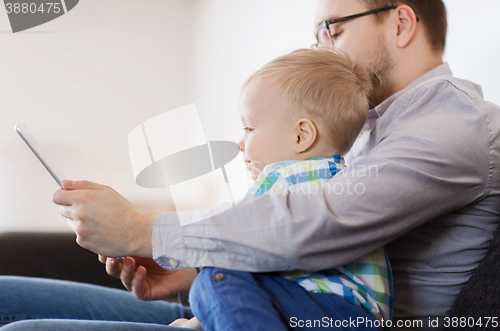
(193, 323)
(146, 279)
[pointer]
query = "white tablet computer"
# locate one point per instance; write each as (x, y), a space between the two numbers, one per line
(31, 142)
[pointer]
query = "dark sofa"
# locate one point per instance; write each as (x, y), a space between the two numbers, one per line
(51, 255)
(480, 297)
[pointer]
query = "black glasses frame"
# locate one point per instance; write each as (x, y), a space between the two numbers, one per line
(326, 24)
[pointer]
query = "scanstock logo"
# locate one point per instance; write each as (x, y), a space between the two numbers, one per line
(27, 14)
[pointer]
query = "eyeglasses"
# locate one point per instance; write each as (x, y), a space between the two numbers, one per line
(324, 35)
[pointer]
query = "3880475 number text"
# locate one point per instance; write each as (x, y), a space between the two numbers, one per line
(462, 322)
(32, 8)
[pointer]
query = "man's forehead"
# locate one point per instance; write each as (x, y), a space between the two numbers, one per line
(327, 10)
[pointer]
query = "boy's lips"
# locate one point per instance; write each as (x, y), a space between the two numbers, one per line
(247, 162)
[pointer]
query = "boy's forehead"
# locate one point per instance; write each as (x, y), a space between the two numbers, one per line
(258, 100)
(254, 86)
(253, 94)
(244, 105)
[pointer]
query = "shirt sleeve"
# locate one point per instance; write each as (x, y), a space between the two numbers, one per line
(424, 165)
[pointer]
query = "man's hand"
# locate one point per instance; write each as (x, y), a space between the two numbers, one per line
(193, 323)
(146, 279)
(104, 221)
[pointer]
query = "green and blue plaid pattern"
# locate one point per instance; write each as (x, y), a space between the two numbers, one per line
(366, 282)
(296, 175)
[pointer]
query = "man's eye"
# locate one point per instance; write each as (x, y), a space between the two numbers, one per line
(336, 35)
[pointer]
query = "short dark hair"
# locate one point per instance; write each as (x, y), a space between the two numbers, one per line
(432, 14)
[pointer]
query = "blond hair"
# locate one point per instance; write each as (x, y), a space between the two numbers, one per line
(324, 84)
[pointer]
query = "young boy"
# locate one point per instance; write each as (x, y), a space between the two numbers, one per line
(300, 113)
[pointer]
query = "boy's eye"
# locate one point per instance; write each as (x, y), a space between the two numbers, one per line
(247, 129)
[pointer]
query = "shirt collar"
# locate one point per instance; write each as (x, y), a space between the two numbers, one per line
(443, 69)
(335, 158)
(311, 163)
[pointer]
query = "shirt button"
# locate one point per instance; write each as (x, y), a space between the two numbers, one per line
(172, 262)
(218, 277)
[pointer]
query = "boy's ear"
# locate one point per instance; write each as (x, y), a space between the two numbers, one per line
(306, 134)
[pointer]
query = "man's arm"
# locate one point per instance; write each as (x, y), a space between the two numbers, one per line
(424, 164)
(430, 158)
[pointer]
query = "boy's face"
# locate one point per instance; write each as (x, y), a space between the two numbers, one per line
(268, 134)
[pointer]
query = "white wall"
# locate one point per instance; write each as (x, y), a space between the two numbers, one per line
(473, 50)
(235, 39)
(82, 82)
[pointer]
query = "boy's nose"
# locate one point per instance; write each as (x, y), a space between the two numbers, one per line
(242, 145)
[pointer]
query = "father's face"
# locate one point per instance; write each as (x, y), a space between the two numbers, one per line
(361, 38)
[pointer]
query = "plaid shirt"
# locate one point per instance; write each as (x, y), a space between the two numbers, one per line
(366, 282)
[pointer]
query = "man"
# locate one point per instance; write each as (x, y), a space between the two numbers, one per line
(433, 197)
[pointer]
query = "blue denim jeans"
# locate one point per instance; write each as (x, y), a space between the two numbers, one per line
(234, 300)
(42, 304)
